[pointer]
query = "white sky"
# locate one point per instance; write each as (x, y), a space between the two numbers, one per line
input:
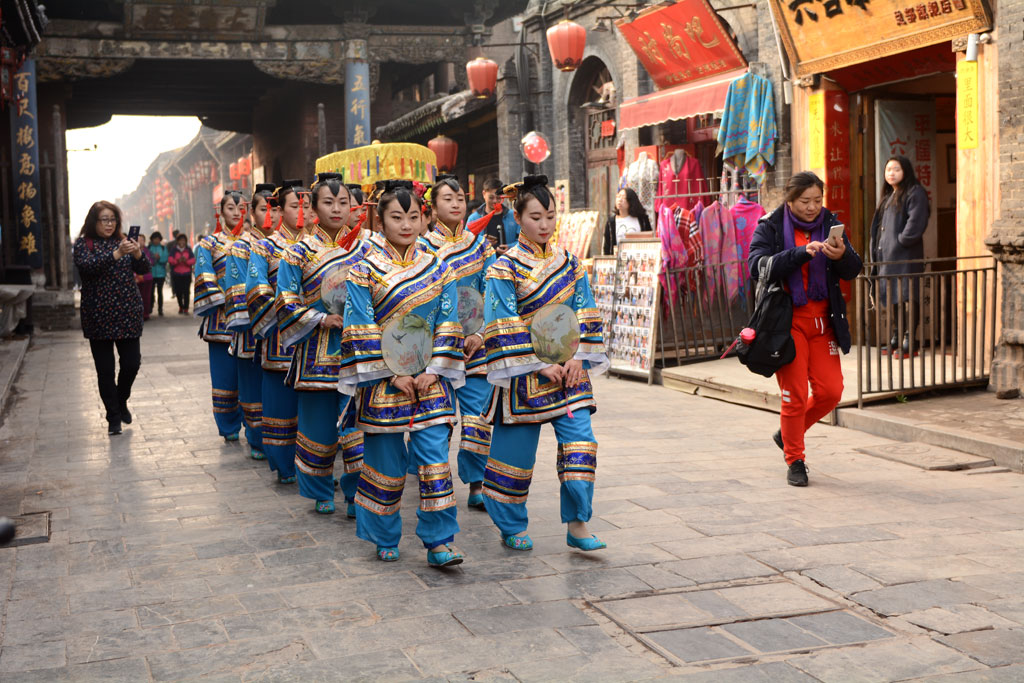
(125, 147)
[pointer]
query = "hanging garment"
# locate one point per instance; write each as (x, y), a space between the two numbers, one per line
(673, 251)
(687, 179)
(747, 133)
(719, 238)
(642, 176)
(745, 215)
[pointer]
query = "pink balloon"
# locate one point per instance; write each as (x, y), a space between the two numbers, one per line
(535, 147)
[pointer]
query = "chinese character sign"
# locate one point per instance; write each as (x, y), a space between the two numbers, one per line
(681, 42)
(357, 103)
(822, 35)
(967, 128)
(25, 147)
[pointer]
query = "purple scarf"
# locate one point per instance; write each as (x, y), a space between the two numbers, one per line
(816, 272)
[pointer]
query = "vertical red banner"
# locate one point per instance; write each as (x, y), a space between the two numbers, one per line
(837, 161)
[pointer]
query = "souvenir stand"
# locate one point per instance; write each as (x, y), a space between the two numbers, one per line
(635, 305)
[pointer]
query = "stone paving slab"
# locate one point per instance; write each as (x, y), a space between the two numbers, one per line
(928, 457)
(175, 557)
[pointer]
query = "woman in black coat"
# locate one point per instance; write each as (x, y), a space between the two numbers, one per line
(810, 268)
(111, 306)
(897, 236)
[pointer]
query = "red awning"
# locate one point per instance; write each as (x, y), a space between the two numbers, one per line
(706, 96)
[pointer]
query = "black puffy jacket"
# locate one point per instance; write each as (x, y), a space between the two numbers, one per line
(768, 240)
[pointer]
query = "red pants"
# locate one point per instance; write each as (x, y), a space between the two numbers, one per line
(817, 364)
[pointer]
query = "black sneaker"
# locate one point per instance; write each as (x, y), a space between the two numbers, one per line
(126, 416)
(114, 428)
(777, 438)
(797, 474)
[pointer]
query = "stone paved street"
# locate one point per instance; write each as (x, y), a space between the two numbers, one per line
(172, 556)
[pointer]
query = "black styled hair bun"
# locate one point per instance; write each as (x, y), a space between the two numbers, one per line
(264, 187)
(328, 175)
(534, 181)
(393, 185)
(441, 177)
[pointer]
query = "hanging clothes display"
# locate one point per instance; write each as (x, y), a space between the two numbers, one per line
(681, 174)
(673, 252)
(719, 239)
(642, 176)
(745, 215)
(747, 133)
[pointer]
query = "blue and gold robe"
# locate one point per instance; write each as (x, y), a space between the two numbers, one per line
(382, 288)
(521, 282)
(261, 292)
(209, 289)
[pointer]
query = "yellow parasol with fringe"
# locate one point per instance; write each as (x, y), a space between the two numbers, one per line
(381, 161)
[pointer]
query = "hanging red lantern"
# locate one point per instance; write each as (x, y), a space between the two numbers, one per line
(483, 76)
(233, 171)
(244, 166)
(447, 151)
(566, 41)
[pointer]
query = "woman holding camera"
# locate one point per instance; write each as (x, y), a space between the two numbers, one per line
(111, 306)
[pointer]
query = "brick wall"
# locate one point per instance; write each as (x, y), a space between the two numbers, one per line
(1007, 237)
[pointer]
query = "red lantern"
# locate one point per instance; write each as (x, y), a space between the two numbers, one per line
(483, 76)
(447, 151)
(566, 41)
(233, 172)
(244, 166)
(535, 147)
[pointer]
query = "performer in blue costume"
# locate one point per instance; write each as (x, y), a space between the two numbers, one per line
(243, 343)
(469, 256)
(403, 383)
(529, 392)
(310, 304)
(280, 403)
(209, 298)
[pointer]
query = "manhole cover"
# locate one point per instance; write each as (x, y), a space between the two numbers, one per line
(29, 529)
(739, 622)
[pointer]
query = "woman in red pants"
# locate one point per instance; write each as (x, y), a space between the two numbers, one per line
(810, 268)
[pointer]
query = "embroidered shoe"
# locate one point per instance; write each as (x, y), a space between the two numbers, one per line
(777, 438)
(387, 554)
(325, 507)
(256, 454)
(444, 558)
(286, 480)
(231, 437)
(797, 474)
(476, 502)
(585, 544)
(518, 542)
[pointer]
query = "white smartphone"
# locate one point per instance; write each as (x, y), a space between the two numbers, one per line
(835, 235)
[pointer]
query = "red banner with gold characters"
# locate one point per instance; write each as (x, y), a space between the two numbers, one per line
(682, 42)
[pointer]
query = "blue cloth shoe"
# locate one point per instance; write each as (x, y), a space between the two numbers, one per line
(476, 502)
(350, 511)
(325, 507)
(286, 480)
(518, 542)
(586, 544)
(387, 554)
(256, 454)
(231, 437)
(444, 558)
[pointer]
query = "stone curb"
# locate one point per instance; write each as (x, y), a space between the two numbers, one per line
(9, 371)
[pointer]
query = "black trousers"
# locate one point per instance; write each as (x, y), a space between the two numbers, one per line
(158, 295)
(115, 395)
(181, 285)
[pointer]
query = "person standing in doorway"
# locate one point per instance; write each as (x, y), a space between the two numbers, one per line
(810, 267)
(630, 216)
(159, 255)
(897, 245)
(181, 261)
(111, 306)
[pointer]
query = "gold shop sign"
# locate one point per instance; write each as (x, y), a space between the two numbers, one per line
(822, 35)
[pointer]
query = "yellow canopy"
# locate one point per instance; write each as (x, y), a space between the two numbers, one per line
(381, 161)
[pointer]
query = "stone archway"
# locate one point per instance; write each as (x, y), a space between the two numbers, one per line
(591, 104)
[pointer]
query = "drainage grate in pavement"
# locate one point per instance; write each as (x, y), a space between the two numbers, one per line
(739, 622)
(29, 529)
